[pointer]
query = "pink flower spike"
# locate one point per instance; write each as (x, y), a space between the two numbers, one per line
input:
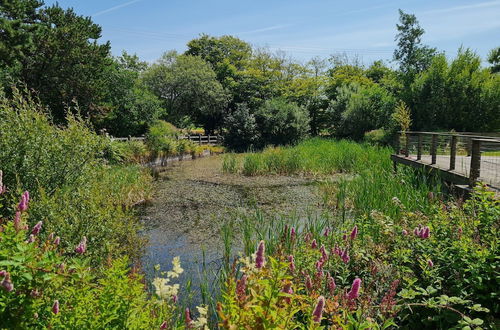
(260, 259)
(241, 286)
(356, 284)
(318, 310)
(425, 233)
(314, 244)
(345, 256)
(57, 240)
(308, 282)
(416, 231)
(82, 247)
(344, 237)
(331, 284)
(17, 221)
(327, 232)
(175, 298)
(323, 252)
(354, 232)
(430, 263)
(188, 319)
(23, 206)
(31, 239)
(55, 307)
(404, 232)
(6, 283)
(293, 233)
(292, 263)
(163, 326)
(37, 228)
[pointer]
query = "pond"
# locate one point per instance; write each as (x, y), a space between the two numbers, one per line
(192, 200)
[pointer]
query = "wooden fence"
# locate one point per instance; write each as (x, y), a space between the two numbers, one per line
(198, 138)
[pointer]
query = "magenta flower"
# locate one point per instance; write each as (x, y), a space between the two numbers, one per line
(23, 204)
(327, 232)
(31, 239)
(307, 237)
(314, 244)
(309, 284)
(425, 233)
(17, 221)
(354, 232)
(292, 263)
(287, 288)
(293, 233)
(344, 237)
(175, 298)
(163, 326)
(37, 228)
(3, 273)
(55, 307)
(331, 284)
(416, 231)
(319, 274)
(82, 247)
(260, 259)
(318, 310)
(57, 240)
(430, 263)
(188, 319)
(323, 252)
(6, 283)
(356, 284)
(345, 256)
(319, 265)
(241, 286)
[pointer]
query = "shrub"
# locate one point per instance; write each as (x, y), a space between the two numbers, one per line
(377, 136)
(161, 137)
(281, 123)
(241, 130)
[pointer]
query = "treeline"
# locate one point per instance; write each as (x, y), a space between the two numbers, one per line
(252, 96)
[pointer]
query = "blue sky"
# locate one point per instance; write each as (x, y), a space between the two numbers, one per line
(303, 29)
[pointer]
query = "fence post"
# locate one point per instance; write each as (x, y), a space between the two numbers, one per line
(407, 144)
(199, 139)
(453, 152)
(419, 146)
(433, 149)
(475, 162)
(396, 143)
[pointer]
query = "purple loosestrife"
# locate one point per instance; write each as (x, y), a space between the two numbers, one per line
(416, 231)
(331, 284)
(354, 293)
(82, 246)
(430, 263)
(307, 237)
(318, 310)
(55, 307)
(260, 258)
(404, 232)
(293, 233)
(36, 228)
(175, 298)
(323, 252)
(309, 284)
(17, 221)
(31, 239)
(327, 232)
(425, 233)
(345, 256)
(292, 263)
(57, 240)
(6, 283)
(50, 237)
(2, 187)
(287, 289)
(188, 321)
(354, 232)
(241, 287)
(163, 326)
(314, 244)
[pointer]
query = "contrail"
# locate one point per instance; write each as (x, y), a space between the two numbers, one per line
(105, 11)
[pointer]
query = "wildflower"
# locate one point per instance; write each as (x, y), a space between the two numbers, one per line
(6, 283)
(314, 244)
(331, 284)
(31, 239)
(1, 183)
(354, 232)
(287, 289)
(35, 293)
(163, 289)
(175, 298)
(292, 263)
(202, 320)
(404, 232)
(319, 274)
(416, 231)
(82, 247)
(344, 237)
(260, 259)
(17, 221)
(23, 204)
(308, 237)
(176, 268)
(37, 228)
(293, 233)
(308, 282)
(55, 307)
(188, 319)
(430, 263)
(163, 325)
(323, 252)
(57, 240)
(241, 287)
(327, 232)
(353, 294)
(425, 233)
(318, 310)
(3, 273)
(345, 256)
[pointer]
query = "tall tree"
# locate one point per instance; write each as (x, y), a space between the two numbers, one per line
(494, 59)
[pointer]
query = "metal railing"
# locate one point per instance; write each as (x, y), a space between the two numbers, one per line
(476, 157)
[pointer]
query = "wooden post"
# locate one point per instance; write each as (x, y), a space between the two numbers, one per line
(419, 147)
(475, 162)
(407, 144)
(453, 152)
(199, 139)
(434, 149)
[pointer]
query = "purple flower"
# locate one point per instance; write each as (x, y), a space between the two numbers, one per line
(3, 273)
(430, 263)
(260, 259)
(36, 228)
(307, 237)
(356, 284)
(344, 237)
(323, 252)
(318, 310)
(314, 244)
(57, 240)
(6, 283)
(292, 263)
(308, 282)
(241, 287)
(293, 233)
(17, 221)
(188, 319)
(82, 247)
(345, 256)
(163, 325)
(331, 284)
(354, 232)
(23, 204)
(31, 239)
(416, 231)
(175, 298)
(404, 232)
(425, 233)
(327, 232)
(55, 307)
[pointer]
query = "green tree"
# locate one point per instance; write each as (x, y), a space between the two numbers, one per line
(188, 87)
(494, 59)
(241, 129)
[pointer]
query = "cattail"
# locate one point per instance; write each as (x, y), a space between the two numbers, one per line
(314, 244)
(353, 294)
(308, 282)
(260, 259)
(36, 228)
(6, 283)
(354, 232)
(404, 232)
(318, 310)
(430, 263)
(163, 325)
(323, 252)
(292, 263)
(55, 307)
(57, 240)
(82, 247)
(331, 284)
(188, 319)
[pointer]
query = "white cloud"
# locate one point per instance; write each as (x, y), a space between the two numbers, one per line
(105, 11)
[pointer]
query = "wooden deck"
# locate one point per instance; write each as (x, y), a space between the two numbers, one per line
(489, 172)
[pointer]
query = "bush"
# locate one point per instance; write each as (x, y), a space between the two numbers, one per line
(161, 137)
(281, 123)
(378, 136)
(241, 130)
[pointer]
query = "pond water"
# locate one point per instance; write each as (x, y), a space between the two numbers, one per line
(192, 200)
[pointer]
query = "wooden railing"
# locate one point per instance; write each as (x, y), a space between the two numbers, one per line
(200, 139)
(443, 150)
